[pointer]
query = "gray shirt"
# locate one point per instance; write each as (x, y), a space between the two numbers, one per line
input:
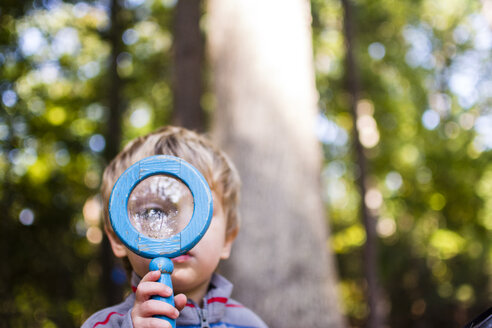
(218, 310)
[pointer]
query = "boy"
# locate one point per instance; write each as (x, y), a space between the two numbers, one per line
(203, 295)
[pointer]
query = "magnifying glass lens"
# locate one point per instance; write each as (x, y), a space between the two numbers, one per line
(160, 206)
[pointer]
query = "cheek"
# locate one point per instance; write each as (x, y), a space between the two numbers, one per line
(213, 247)
(215, 234)
(139, 264)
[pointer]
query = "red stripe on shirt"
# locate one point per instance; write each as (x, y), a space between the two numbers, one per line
(212, 300)
(217, 299)
(234, 305)
(107, 319)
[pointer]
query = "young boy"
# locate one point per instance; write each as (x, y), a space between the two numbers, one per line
(202, 296)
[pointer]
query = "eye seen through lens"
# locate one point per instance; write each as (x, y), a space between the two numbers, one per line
(160, 206)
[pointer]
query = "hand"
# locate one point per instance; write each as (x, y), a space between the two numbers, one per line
(145, 307)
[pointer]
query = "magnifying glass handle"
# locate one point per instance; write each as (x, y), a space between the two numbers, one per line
(165, 266)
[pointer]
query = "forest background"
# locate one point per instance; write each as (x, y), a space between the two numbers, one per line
(419, 133)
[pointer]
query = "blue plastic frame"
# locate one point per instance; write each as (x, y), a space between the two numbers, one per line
(179, 243)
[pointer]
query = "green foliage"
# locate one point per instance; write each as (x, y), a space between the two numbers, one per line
(422, 121)
(54, 90)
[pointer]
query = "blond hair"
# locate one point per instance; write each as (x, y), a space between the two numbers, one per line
(194, 148)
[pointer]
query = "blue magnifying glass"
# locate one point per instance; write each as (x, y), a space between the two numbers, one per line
(161, 207)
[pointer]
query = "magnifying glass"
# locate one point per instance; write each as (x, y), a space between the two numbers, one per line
(161, 207)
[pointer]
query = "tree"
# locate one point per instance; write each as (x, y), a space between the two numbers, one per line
(265, 120)
(112, 291)
(188, 58)
(368, 219)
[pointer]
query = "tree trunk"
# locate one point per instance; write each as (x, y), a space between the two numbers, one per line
(188, 57)
(261, 56)
(113, 292)
(114, 96)
(374, 319)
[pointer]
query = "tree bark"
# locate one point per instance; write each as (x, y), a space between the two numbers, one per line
(188, 58)
(113, 132)
(113, 292)
(261, 56)
(374, 319)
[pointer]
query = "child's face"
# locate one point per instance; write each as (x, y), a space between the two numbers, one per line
(192, 271)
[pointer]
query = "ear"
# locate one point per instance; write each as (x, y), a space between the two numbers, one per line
(119, 250)
(229, 240)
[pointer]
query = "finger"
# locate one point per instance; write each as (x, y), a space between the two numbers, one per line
(147, 289)
(180, 301)
(151, 276)
(150, 323)
(154, 307)
(158, 323)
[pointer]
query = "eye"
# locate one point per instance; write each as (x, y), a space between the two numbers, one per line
(161, 212)
(157, 213)
(155, 219)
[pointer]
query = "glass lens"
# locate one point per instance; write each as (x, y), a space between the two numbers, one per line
(160, 206)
